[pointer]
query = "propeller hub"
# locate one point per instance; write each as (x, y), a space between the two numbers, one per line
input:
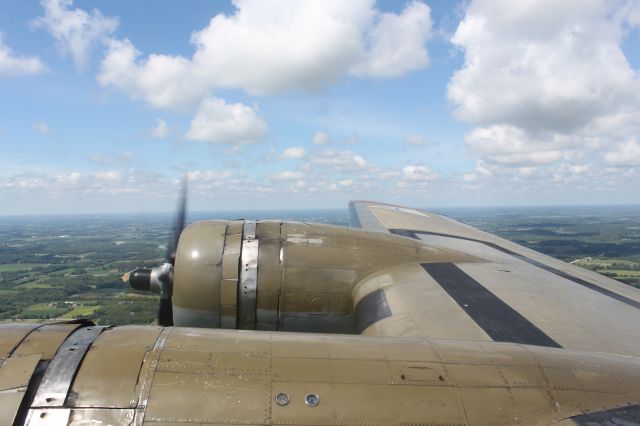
(140, 279)
(161, 280)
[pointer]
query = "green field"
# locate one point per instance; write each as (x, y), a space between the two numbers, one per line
(43, 310)
(34, 285)
(81, 311)
(14, 267)
(625, 270)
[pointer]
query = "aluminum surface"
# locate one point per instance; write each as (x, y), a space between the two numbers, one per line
(48, 417)
(247, 290)
(57, 380)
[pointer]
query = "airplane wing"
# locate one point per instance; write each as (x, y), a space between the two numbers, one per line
(513, 294)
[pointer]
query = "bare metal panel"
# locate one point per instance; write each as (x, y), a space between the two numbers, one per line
(230, 274)
(101, 416)
(248, 283)
(48, 416)
(56, 382)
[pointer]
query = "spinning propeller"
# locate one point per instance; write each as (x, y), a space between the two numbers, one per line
(159, 279)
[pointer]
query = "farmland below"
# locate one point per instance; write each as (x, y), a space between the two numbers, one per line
(70, 266)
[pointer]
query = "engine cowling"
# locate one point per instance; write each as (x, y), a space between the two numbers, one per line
(274, 275)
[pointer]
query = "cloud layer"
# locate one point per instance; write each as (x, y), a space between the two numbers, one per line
(546, 87)
(274, 47)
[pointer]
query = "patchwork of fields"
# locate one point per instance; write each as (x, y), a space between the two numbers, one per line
(70, 266)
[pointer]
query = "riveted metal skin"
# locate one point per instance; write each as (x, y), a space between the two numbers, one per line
(230, 275)
(197, 376)
(248, 285)
(22, 366)
(113, 360)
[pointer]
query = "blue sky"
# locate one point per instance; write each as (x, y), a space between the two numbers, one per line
(307, 104)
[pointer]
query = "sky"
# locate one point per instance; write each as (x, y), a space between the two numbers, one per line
(278, 104)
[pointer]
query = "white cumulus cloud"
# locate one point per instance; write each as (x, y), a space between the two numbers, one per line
(218, 122)
(275, 46)
(396, 43)
(512, 145)
(294, 153)
(12, 65)
(162, 81)
(76, 31)
(544, 80)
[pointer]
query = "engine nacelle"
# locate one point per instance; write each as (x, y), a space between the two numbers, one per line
(272, 275)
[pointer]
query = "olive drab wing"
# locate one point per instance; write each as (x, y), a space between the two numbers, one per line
(406, 318)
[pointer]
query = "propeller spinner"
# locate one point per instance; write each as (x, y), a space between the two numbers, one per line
(159, 279)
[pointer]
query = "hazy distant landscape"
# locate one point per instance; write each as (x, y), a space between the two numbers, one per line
(70, 266)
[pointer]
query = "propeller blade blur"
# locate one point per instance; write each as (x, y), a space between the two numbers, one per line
(178, 225)
(165, 312)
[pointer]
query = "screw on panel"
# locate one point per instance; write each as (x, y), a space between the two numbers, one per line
(282, 399)
(312, 400)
